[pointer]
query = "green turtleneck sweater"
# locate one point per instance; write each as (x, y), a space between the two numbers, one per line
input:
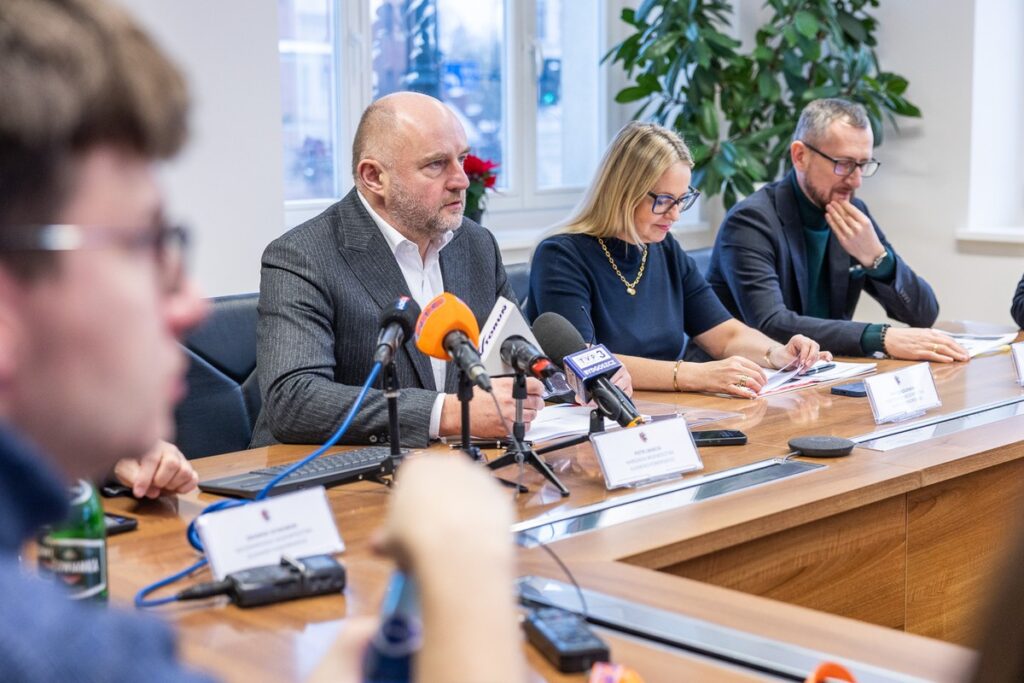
(816, 238)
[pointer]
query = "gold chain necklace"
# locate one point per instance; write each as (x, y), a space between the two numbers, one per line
(630, 286)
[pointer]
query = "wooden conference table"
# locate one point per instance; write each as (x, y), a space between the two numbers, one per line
(883, 557)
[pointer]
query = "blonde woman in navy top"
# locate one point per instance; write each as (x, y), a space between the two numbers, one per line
(615, 271)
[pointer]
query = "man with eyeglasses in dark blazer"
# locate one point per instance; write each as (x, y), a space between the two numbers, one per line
(795, 256)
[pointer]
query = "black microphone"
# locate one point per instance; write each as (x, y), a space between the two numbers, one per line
(526, 359)
(396, 325)
(465, 355)
(559, 339)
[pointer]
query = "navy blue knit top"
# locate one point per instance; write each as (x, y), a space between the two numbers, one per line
(570, 275)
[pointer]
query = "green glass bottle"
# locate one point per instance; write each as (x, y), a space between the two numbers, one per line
(74, 553)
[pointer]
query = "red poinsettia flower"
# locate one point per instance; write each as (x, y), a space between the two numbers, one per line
(478, 169)
(482, 177)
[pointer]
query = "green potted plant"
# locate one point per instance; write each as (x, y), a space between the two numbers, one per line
(737, 110)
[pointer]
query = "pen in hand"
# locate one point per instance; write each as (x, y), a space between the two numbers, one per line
(820, 368)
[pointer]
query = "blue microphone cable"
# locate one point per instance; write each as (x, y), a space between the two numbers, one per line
(141, 600)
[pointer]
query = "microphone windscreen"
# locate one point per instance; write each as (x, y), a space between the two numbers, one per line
(444, 314)
(557, 336)
(403, 311)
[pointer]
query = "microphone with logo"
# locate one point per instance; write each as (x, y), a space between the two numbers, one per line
(396, 325)
(447, 329)
(589, 370)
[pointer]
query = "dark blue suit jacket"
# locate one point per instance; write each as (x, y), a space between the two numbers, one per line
(1017, 309)
(759, 271)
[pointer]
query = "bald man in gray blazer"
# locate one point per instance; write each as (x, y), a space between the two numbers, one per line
(400, 231)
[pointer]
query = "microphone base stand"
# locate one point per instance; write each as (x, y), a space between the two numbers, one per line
(465, 396)
(518, 451)
(391, 391)
(596, 427)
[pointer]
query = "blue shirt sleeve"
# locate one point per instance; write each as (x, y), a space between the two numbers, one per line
(45, 636)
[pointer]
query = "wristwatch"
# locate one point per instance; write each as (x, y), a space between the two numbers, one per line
(877, 263)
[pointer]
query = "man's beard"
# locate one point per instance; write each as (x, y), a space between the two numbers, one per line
(420, 220)
(819, 199)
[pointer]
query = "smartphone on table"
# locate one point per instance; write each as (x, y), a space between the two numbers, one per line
(719, 437)
(855, 389)
(119, 524)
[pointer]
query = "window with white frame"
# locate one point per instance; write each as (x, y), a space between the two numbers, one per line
(522, 75)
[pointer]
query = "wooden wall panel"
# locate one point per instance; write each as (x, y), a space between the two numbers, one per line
(852, 564)
(957, 532)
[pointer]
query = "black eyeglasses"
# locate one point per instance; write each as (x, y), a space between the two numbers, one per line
(167, 243)
(845, 167)
(663, 203)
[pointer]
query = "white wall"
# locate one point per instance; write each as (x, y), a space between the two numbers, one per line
(923, 193)
(997, 146)
(227, 185)
(921, 196)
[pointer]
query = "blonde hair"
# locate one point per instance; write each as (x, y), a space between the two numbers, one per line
(638, 156)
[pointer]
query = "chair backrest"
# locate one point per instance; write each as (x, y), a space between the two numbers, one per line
(703, 259)
(519, 278)
(219, 412)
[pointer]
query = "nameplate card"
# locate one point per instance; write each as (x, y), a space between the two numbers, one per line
(1017, 354)
(902, 394)
(259, 533)
(647, 452)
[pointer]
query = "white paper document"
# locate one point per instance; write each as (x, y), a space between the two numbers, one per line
(564, 421)
(559, 422)
(977, 344)
(780, 381)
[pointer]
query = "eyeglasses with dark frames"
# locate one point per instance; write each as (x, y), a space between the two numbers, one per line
(663, 203)
(168, 244)
(845, 167)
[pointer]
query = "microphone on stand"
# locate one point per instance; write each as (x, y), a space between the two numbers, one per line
(526, 358)
(397, 322)
(447, 330)
(589, 369)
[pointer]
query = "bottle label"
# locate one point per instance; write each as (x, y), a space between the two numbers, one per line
(78, 563)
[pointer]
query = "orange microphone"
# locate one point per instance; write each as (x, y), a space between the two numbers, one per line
(448, 330)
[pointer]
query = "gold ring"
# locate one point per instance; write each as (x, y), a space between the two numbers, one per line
(743, 381)
(935, 348)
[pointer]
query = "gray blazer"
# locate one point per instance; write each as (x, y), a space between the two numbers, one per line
(323, 286)
(759, 271)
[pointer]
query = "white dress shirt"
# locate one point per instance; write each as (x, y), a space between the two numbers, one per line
(423, 277)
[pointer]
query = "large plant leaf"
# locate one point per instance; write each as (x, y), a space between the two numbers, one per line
(737, 109)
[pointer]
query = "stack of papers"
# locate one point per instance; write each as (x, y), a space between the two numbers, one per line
(977, 344)
(780, 381)
(559, 422)
(563, 421)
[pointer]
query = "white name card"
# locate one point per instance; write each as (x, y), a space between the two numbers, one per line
(297, 524)
(902, 394)
(1017, 353)
(650, 451)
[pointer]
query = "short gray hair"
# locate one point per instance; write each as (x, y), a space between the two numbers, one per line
(819, 115)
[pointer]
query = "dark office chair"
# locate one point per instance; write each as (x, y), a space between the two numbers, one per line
(519, 278)
(219, 412)
(703, 259)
